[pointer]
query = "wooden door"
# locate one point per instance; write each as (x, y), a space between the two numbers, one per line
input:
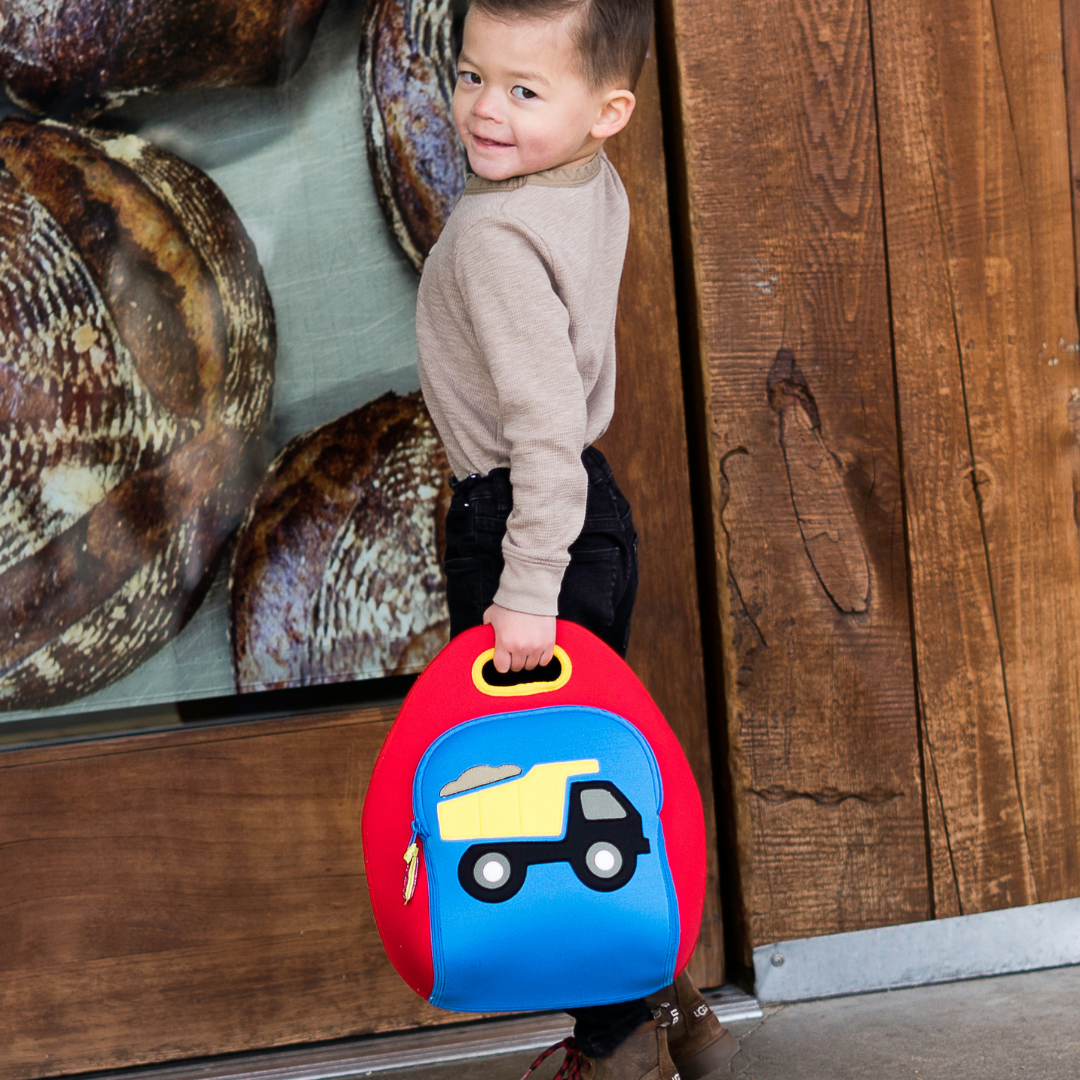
(201, 891)
(881, 276)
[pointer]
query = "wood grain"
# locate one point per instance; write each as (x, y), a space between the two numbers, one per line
(782, 214)
(191, 893)
(976, 190)
(1070, 34)
(646, 445)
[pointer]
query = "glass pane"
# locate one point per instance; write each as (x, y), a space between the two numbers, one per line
(293, 164)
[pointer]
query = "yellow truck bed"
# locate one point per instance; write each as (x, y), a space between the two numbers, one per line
(533, 805)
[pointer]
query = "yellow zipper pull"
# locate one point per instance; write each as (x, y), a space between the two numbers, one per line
(412, 866)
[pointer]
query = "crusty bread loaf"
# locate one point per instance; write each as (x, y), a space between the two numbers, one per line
(136, 366)
(407, 79)
(73, 59)
(337, 568)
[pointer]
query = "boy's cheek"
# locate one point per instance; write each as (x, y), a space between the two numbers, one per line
(459, 110)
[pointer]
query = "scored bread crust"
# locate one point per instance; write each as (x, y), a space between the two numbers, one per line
(74, 59)
(136, 366)
(337, 571)
(417, 163)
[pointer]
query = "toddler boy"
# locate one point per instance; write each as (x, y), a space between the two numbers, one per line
(516, 329)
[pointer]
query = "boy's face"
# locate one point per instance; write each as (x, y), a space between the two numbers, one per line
(520, 104)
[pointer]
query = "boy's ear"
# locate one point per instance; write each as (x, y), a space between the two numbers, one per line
(616, 108)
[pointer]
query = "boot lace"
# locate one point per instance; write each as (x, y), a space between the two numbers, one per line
(572, 1065)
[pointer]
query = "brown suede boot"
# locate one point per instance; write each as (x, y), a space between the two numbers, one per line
(699, 1044)
(642, 1055)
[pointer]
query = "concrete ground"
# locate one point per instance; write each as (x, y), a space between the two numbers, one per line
(987, 1029)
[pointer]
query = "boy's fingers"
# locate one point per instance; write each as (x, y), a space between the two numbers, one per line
(516, 659)
(519, 642)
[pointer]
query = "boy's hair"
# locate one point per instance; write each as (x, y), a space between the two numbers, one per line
(612, 36)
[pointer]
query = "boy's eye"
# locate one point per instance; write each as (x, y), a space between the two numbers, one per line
(522, 93)
(469, 77)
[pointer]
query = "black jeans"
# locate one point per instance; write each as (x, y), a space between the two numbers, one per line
(600, 584)
(598, 592)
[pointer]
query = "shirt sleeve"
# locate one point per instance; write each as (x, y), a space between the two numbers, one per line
(509, 285)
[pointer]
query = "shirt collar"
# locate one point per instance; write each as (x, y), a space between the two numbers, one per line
(574, 177)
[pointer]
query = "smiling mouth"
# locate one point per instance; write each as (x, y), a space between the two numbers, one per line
(481, 141)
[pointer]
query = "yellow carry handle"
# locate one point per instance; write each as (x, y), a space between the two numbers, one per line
(521, 689)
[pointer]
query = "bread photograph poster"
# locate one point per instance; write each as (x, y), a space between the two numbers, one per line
(217, 473)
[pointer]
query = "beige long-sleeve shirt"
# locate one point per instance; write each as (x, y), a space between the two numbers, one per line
(515, 322)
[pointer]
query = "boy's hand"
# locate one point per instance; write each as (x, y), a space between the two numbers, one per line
(521, 640)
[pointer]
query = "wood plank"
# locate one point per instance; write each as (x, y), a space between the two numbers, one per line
(782, 207)
(946, 891)
(190, 893)
(976, 189)
(102, 744)
(646, 445)
(1070, 33)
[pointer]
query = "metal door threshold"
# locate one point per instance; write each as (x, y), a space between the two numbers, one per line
(384, 1053)
(915, 954)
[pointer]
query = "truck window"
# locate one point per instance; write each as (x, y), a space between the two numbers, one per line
(598, 804)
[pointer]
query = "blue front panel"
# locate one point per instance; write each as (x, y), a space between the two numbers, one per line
(556, 943)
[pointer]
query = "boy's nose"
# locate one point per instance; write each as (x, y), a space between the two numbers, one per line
(486, 107)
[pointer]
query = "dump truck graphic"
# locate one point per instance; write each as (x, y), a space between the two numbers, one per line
(602, 840)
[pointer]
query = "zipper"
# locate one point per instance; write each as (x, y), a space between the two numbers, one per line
(412, 862)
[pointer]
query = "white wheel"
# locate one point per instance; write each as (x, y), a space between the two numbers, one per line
(603, 859)
(491, 870)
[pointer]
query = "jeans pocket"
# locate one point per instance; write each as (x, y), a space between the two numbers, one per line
(589, 587)
(471, 584)
(460, 531)
(464, 593)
